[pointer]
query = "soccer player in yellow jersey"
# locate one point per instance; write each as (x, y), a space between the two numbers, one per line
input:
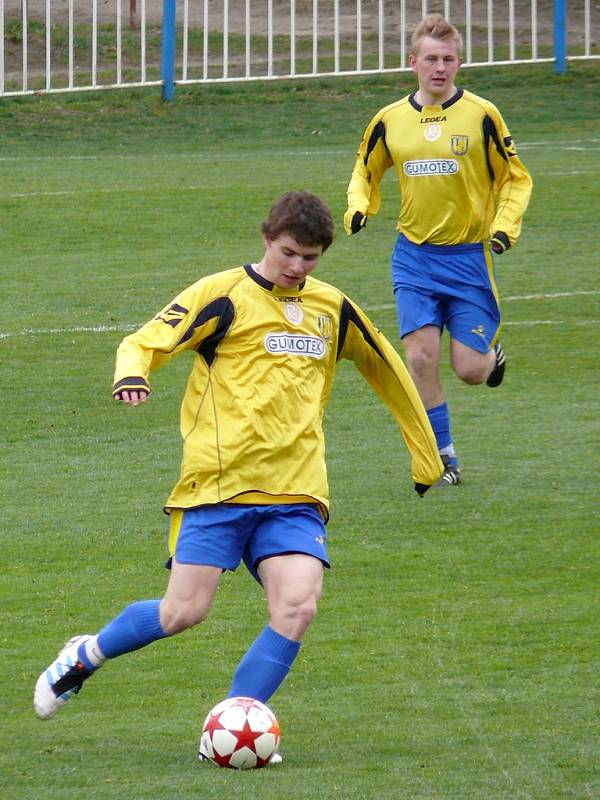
(266, 339)
(464, 192)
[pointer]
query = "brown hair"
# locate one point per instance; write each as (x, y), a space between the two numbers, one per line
(437, 27)
(302, 215)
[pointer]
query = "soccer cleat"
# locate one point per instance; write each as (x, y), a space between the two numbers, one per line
(450, 476)
(63, 678)
(497, 374)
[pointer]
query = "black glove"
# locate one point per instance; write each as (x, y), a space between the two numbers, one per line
(354, 221)
(421, 488)
(358, 222)
(499, 243)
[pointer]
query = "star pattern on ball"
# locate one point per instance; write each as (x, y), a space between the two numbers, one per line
(244, 733)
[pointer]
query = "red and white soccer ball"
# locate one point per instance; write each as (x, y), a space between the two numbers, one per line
(240, 733)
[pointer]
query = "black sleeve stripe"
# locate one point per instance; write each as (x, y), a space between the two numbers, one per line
(131, 384)
(490, 132)
(222, 308)
(349, 315)
(377, 133)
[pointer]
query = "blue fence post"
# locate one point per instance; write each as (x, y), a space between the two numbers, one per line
(560, 36)
(168, 50)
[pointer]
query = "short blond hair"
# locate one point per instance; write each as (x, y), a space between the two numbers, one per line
(437, 27)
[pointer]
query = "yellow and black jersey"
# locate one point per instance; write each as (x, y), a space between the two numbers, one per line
(264, 362)
(460, 177)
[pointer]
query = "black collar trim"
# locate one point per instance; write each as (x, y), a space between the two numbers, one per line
(268, 285)
(454, 99)
(252, 273)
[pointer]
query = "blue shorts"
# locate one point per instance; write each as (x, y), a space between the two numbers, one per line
(223, 534)
(451, 286)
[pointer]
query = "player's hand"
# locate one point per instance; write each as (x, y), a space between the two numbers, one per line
(132, 397)
(354, 221)
(421, 488)
(499, 243)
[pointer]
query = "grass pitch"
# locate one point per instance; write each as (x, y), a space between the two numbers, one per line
(455, 654)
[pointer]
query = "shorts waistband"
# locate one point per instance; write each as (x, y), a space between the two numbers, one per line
(441, 248)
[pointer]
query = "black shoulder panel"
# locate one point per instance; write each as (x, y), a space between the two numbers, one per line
(377, 133)
(349, 315)
(491, 132)
(222, 308)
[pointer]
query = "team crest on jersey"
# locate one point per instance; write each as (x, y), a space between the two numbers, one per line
(325, 326)
(294, 313)
(459, 145)
(433, 132)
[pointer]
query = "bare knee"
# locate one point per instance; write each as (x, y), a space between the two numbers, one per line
(422, 349)
(293, 618)
(177, 617)
(472, 375)
(422, 359)
(470, 366)
(474, 369)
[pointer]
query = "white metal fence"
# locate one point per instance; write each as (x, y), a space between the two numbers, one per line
(75, 45)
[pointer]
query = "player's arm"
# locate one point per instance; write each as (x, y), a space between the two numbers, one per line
(384, 370)
(372, 161)
(183, 324)
(511, 182)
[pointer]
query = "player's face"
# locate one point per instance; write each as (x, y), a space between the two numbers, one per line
(286, 262)
(436, 64)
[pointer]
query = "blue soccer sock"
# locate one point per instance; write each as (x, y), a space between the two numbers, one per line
(264, 667)
(136, 626)
(439, 416)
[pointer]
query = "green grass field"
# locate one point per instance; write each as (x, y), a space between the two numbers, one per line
(455, 655)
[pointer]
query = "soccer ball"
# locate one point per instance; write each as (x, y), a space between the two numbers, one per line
(240, 733)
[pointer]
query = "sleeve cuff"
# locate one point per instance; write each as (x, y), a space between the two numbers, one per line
(134, 384)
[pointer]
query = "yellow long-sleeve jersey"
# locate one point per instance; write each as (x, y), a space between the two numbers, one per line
(460, 177)
(264, 362)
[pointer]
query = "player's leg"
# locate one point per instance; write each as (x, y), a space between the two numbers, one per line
(422, 348)
(473, 320)
(471, 366)
(187, 601)
(421, 309)
(197, 561)
(287, 555)
(293, 586)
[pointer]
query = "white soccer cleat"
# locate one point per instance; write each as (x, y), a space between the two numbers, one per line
(63, 678)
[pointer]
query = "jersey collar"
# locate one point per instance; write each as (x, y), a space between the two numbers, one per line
(454, 99)
(268, 285)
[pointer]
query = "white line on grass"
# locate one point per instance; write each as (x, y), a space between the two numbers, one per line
(204, 155)
(124, 328)
(510, 299)
(72, 329)
(207, 187)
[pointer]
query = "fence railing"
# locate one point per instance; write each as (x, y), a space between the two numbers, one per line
(53, 46)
